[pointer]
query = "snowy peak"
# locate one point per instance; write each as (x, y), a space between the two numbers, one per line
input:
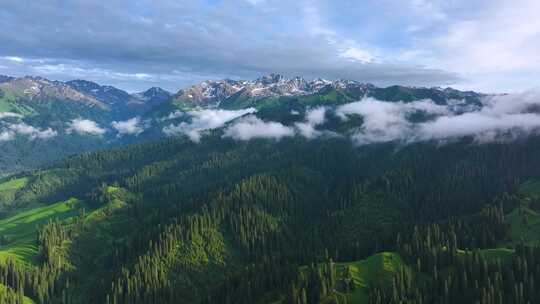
(209, 92)
(212, 92)
(270, 79)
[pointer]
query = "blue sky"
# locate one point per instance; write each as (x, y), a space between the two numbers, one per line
(490, 46)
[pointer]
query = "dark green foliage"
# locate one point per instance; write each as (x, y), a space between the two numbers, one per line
(230, 222)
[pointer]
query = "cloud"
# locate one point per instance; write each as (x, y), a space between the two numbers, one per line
(174, 115)
(356, 54)
(9, 115)
(11, 131)
(203, 39)
(491, 44)
(487, 45)
(6, 136)
(202, 120)
(514, 113)
(133, 126)
(255, 2)
(85, 126)
(314, 117)
(500, 118)
(387, 121)
(253, 127)
(13, 58)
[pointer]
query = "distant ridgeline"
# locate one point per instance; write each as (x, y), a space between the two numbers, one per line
(42, 121)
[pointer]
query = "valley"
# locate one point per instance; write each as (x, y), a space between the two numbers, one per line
(346, 194)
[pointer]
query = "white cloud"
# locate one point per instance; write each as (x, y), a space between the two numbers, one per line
(314, 117)
(9, 115)
(501, 117)
(6, 135)
(387, 121)
(515, 113)
(23, 129)
(202, 120)
(32, 132)
(133, 126)
(85, 126)
(356, 54)
(479, 125)
(174, 115)
(294, 112)
(489, 44)
(13, 58)
(253, 127)
(255, 2)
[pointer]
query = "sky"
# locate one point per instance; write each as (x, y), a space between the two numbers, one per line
(488, 46)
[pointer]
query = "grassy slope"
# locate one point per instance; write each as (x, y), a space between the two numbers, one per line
(9, 188)
(377, 268)
(21, 228)
(502, 254)
(13, 184)
(524, 224)
(524, 221)
(382, 266)
(9, 102)
(530, 188)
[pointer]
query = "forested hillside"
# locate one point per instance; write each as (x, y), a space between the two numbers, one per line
(268, 221)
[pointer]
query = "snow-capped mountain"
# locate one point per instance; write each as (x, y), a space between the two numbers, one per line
(212, 92)
(209, 92)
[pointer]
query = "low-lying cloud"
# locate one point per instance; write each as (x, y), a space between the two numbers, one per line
(11, 131)
(501, 116)
(203, 120)
(84, 127)
(314, 118)
(9, 115)
(253, 127)
(387, 121)
(133, 126)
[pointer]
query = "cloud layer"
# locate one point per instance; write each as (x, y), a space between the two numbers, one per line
(202, 120)
(85, 126)
(9, 115)
(387, 121)
(313, 118)
(253, 127)
(12, 130)
(174, 44)
(133, 126)
(501, 117)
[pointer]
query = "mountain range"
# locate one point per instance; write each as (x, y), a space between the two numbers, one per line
(81, 115)
(273, 190)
